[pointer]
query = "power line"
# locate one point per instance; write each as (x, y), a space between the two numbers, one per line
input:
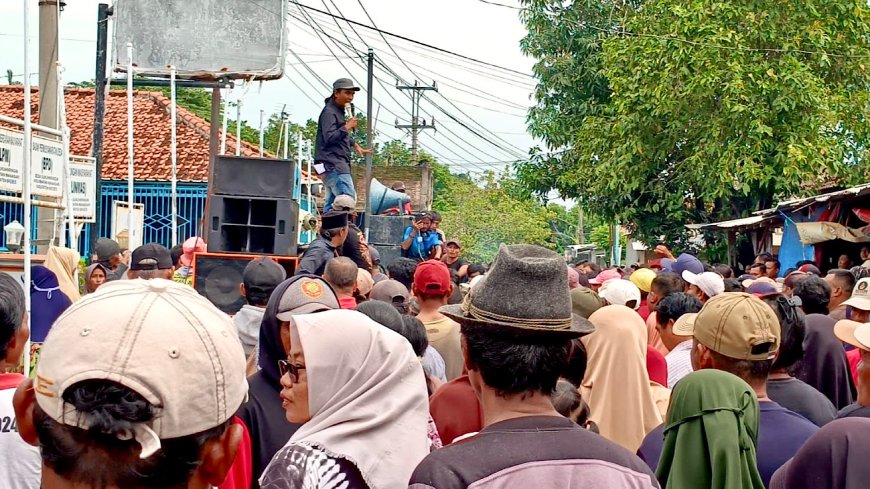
(425, 97)
(488, 2)
(466, 145)
(397, 36)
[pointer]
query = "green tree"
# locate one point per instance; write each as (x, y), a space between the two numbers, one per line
(690, 111)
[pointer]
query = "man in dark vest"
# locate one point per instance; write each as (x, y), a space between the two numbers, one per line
(330, 238)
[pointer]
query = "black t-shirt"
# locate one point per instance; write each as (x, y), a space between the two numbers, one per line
(459, 263)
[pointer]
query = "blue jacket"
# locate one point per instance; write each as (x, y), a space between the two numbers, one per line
(333, 143)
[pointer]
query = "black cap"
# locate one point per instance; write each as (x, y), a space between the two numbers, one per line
(333, 220)
(106, 248)
(263, 273)
(150, 256)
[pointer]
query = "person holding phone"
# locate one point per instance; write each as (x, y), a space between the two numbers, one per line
(419, 243)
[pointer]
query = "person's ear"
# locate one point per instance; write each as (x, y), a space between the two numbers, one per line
(219, 454)
(131, 274)
(23, 401)
(705, 358)
(242, 290)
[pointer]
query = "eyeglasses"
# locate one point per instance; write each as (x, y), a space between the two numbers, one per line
(285, 367)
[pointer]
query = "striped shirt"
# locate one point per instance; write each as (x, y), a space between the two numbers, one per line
(679, 362)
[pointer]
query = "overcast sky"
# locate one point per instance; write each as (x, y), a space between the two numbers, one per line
(494, 99)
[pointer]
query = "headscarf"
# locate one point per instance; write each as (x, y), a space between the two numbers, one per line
(90, 270)
(836, 456)
(47, 302)
(263, 414)
(617, 385)
(573, 278)
(64, 262)
(366, 395)
(824, 365)
(711, 434)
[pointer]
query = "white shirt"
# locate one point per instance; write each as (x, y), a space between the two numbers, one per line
(679, 362)
(22, 464)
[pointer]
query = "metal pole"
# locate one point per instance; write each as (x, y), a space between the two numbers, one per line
(173, 156)
(70, 215)
(308, 158)
(99, 113)
(261, 133)
(25, 180)
(286, 138)
(239, 128)
(369, 139)
(130, 200)
(212, 155)
(224, 127)
(581, 235)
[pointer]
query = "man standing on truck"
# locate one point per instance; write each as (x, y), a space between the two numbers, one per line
(333, 142)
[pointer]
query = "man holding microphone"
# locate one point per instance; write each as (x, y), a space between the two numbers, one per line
(333, 142)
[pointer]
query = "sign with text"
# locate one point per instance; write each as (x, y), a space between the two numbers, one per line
(46, 169)
(83, 188)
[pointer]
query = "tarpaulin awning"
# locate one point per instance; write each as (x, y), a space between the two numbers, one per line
(734, 224)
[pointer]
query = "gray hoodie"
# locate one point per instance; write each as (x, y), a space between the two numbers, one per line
(247, 322)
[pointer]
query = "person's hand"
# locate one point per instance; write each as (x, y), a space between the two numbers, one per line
(125, 257)
(362, 151)
(351, 124)
(664, 251)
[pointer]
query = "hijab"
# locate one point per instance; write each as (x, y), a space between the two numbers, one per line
(47, 302)
(711, 434)
(366, 395)
(617, 385)
(90, 270)
(836, 456)
(64, 262)
(824, 365)
(263, 414)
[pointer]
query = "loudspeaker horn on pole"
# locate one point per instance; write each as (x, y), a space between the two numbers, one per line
(382, 197)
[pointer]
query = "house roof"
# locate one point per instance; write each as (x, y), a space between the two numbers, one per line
(151, 133)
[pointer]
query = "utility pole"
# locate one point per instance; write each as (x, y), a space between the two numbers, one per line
(415, 126)
(369, 139)
(581, 235)
(103, 13)
(49, 226)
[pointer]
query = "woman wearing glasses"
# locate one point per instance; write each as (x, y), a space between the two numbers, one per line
(358, 390)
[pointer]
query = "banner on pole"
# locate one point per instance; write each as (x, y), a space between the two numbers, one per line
(83, 188)
(46, 174)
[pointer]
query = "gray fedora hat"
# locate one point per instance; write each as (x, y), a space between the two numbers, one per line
(525, 291)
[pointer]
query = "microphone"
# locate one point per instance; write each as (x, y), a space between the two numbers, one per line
(348, 113)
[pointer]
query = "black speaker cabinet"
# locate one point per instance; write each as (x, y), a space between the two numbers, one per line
(217, 276)
(253, 177)
(252, 225)
(389, 253)
(387, 230)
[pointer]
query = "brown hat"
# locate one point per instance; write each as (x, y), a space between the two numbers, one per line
(525, 291)
(344, 202)
(737, 325)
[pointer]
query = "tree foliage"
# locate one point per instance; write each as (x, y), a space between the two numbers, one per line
(688, 111)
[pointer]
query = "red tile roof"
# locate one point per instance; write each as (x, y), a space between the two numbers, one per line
(151, 133)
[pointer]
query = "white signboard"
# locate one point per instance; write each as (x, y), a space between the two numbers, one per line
(83, 188)
(11, 160)
(46, 173)
(46, 167)
(119, 224)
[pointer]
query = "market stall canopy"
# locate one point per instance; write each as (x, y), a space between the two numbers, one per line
(751, 222)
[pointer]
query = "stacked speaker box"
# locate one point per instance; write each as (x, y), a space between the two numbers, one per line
(251, 213)
(385, 234)
(251, 209)
(216, 276)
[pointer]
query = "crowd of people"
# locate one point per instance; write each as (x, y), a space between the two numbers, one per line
(434, 373)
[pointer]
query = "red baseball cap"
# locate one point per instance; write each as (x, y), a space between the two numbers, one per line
(432, 277)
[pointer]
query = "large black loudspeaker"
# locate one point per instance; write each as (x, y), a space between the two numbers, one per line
(253, 177)
(240, 224)
(387, 230)
(217, 276)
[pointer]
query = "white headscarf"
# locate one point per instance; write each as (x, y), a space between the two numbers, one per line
(64, 262)
(366, 395)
